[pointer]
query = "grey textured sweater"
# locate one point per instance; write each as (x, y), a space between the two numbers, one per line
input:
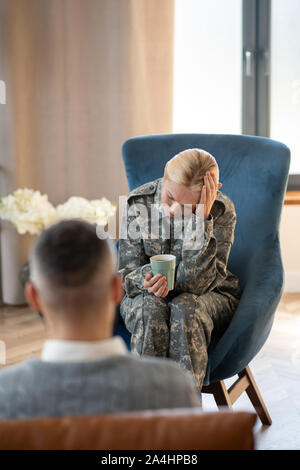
(36, 388)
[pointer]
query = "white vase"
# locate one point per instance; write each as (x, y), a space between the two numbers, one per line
(15, 250)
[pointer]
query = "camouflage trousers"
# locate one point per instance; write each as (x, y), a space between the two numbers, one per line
(178, 326)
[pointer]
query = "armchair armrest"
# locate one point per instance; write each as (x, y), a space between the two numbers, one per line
(254, 315)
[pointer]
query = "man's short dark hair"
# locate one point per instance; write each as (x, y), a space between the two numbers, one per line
(69, 253)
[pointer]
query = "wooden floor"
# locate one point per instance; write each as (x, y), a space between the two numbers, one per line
(276, 368)
(23, 333)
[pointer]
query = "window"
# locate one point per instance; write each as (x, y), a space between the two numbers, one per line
(207, 66)
(237, 70)
(285, 79)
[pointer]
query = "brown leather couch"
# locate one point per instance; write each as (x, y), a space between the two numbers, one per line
(179, 429)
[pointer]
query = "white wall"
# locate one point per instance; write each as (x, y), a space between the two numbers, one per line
(290, 241)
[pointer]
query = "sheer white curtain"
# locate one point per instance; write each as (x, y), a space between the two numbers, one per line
(208, 66)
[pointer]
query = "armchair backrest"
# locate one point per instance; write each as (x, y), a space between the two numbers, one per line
(253, 170)
(182, 428)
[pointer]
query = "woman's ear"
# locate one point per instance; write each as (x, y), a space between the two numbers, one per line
(219, 185)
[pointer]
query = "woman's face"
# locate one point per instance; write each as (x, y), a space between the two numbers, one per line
(174, 196)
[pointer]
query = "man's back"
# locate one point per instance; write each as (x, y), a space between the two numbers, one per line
(37, 388)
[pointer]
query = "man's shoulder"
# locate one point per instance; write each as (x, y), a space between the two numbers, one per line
(9, 372)
(16, 379)
(145, 189)
(165, 367)
(164, 376)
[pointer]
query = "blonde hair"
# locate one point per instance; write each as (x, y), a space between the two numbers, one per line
(188, 168)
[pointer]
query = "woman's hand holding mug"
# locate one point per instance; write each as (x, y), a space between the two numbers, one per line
(156, 285)
(163, 267)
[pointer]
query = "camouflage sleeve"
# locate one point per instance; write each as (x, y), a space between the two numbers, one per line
(131, 256)
(201, 270)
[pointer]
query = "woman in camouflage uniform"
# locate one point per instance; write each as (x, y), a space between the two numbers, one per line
(178, 324)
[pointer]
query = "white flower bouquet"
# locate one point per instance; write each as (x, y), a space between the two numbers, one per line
(31, 212)
(96, 211)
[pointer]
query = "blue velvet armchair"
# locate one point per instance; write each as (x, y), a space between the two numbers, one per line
(254, 173)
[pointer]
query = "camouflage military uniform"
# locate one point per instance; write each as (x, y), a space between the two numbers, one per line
(205, 294)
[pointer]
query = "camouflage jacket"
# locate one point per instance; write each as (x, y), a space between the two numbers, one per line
(197, 271)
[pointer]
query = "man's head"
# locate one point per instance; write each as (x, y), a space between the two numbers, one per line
(73, 280)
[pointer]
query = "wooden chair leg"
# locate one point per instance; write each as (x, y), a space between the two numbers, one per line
(245, 383)
(256, 398)
(219, 391)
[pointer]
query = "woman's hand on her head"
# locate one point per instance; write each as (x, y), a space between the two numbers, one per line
(156, 285)
(209, 192)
